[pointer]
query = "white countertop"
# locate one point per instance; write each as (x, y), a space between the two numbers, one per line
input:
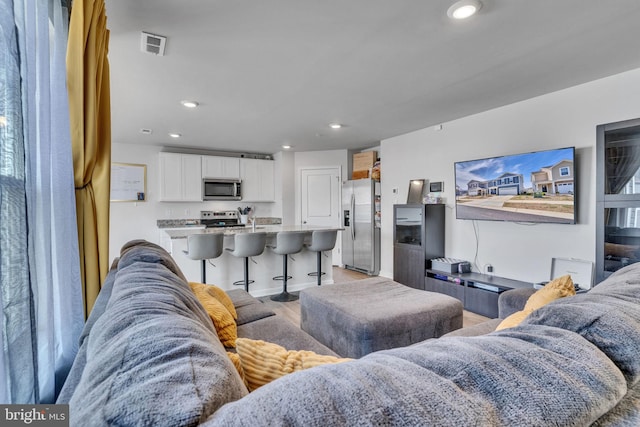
(230, 231)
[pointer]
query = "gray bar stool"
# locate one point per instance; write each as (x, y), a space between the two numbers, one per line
(204, 247)
(287, 243)
(321, 240)
(247, 245)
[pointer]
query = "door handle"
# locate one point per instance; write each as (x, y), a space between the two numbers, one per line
(353, 217)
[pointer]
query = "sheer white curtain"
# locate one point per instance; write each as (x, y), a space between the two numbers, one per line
(56, 309)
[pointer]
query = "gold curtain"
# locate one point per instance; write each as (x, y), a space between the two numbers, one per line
(90, 111)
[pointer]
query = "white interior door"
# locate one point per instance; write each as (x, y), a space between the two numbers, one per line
(320, 191)
(320, 199)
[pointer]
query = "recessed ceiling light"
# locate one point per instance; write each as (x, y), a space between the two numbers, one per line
(464, 9)
(335, 125)
(175, 135)
(286, 147)
(189, 104)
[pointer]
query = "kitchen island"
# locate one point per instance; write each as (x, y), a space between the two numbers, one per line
(226, 269)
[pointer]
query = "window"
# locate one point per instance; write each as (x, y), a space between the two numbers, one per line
(14, 261)
(617, 196)
(564, 171)
(27, 209)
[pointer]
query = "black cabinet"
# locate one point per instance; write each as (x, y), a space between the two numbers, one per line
(479, 293)
(481, 301)
(617, 196)
(453, 289)
(418, 236)
(409, 266)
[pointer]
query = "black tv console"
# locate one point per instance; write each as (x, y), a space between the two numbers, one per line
(478, 292)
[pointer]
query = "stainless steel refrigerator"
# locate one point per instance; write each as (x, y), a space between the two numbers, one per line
(361, 222)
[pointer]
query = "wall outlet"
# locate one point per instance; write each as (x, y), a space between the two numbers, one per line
(187, 212)
(169, 212)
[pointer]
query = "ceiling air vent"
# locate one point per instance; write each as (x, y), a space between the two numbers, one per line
(152, 43)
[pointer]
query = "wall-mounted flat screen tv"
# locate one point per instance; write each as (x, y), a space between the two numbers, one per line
(529, 187)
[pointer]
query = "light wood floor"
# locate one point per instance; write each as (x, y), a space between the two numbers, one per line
(291, 310)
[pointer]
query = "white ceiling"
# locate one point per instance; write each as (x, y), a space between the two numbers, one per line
(268, 73)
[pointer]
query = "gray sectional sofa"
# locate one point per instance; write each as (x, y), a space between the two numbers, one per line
(149, 356)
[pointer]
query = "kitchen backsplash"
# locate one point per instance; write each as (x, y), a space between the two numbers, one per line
(178, 223)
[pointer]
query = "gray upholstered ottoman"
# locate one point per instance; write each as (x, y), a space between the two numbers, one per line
(360, 317)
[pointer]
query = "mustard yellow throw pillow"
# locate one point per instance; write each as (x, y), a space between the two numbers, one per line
(220, 295)
(263, 362)
(557, 288)
(235, 359)
(223, 321)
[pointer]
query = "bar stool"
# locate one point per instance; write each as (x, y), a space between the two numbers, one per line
(203, 247)
(321, 240)
(247, 245)
(287, 243)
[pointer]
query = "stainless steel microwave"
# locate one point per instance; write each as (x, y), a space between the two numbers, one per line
(221, 189)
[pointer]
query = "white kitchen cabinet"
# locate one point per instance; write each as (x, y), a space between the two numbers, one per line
(180, 177)
(220, 167)
(258, 180)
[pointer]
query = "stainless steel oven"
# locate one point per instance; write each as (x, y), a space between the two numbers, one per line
(221, 189)
(217, 219)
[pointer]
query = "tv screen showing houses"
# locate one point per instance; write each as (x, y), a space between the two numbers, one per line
(529, 187)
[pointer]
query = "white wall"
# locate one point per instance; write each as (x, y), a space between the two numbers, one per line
(137, 220)
(561, 119)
